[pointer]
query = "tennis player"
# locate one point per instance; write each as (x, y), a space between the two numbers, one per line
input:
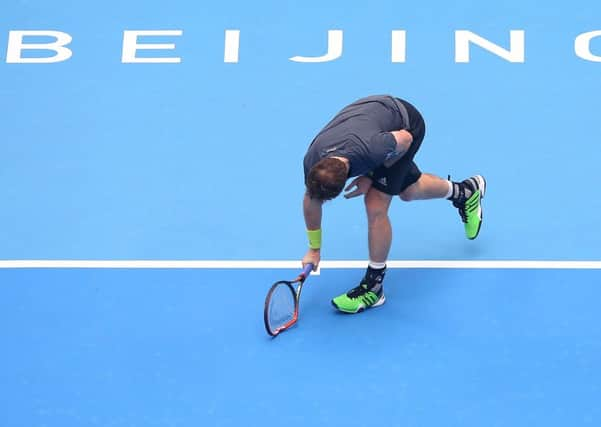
(375, 140)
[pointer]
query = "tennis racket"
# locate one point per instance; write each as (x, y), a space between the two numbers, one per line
(281, 303)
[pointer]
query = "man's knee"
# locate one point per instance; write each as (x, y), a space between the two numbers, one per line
(407, 195)
(376, 204)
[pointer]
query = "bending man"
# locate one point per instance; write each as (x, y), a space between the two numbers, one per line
(375, 140)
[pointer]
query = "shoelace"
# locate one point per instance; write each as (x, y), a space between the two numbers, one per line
(460, 202)
(461, 208)
(360, 290)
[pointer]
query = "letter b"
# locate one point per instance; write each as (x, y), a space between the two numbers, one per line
(16, 46)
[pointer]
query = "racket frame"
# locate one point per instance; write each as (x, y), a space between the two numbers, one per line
(300, 279)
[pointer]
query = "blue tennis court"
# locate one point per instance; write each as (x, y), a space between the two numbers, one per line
(176, 132)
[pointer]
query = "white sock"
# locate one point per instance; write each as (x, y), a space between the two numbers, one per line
(450, 192)
(377, 265)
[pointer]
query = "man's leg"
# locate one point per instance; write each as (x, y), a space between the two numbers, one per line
(379, 234)
(466, 197)
(370, 292)
(427, 187)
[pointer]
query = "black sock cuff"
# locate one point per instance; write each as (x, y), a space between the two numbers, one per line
(374, 276)
(458, 192)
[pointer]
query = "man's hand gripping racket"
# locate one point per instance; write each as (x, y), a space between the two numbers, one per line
(282, 302)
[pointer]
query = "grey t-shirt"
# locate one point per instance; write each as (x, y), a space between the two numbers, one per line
(360, 133)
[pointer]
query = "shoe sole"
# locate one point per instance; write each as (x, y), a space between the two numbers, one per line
(482, 183)
(378, 303)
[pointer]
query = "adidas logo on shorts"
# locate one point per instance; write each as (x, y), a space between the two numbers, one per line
(383, 181)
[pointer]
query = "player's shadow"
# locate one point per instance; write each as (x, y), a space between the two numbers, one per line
(411, 296)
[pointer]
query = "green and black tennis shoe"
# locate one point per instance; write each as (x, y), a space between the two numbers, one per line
(358, 299)
(470, 208)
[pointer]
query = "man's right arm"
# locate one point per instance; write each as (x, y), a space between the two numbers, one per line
(312, 214)
(403, 141)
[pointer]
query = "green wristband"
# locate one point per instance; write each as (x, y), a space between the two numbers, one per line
(314, 238)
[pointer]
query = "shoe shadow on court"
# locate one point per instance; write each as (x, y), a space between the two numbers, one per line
(413, 297)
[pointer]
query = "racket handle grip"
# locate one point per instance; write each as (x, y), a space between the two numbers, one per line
(308, 269)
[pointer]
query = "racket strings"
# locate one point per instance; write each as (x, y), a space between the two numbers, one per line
(281, 307)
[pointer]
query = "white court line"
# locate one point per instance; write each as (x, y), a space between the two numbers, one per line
(295, 264)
